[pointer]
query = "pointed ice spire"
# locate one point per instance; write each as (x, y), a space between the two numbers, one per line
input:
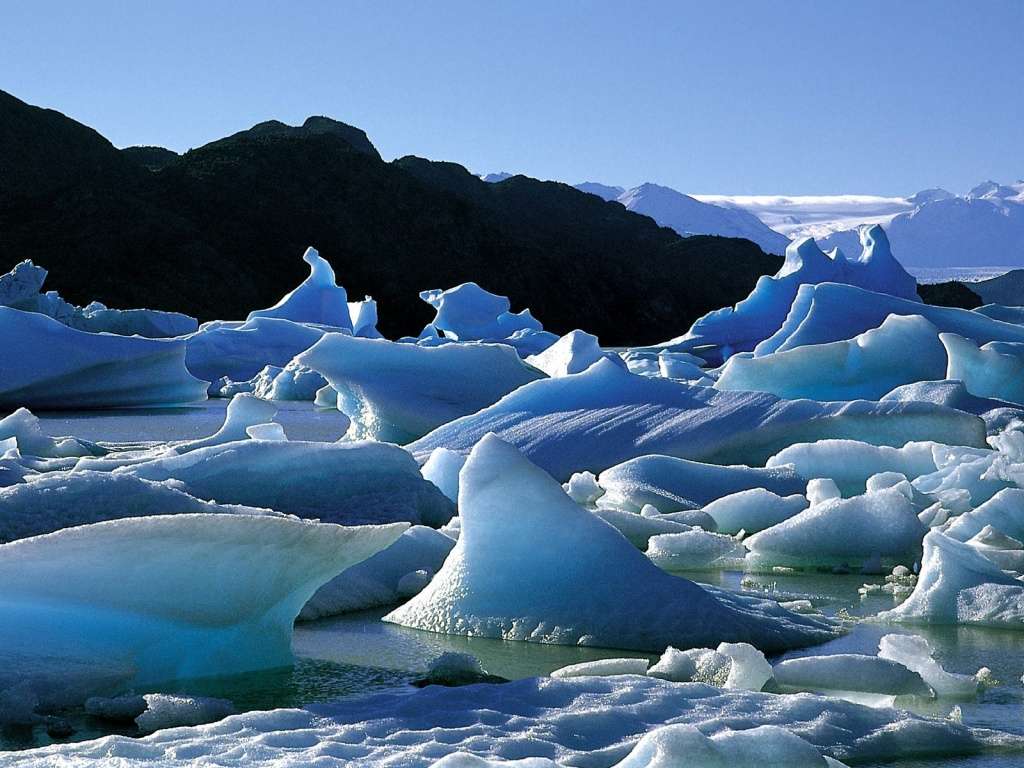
(318, 299)
(804, 256)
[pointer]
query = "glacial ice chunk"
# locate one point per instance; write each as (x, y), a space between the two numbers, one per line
(27, 433)
(573, 353)
(525, 547)
(399, 392)
(914, 652)
(959, 585)
(606, 415)
(849, 673)
(754, 510)
(993, 370)
(48, 365)
(604, 667)
(865, 367)
(442, 469)
(174, 596)
(467, 312)
(318, 300)
(239, 351)
(350, 482)
(880, 525)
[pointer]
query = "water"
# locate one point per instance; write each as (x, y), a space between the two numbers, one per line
(963, 274)
(356, 653)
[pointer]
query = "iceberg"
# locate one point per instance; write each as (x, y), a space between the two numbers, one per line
(993, 370)
(996, 414)
(377, 580)
(524, 548)
(865, 367)
(719, 334)
(754, 510)
(606, 415)
(442, 469)
(959, 585)
(851, 462)
(1004, 512)
(174, 596)
(467, 312)
(847, 673)
(541, 722)
(49, 501)
(880, 526)
(399, 392)
(573, 353)
(350, 482)
(915, 653)
(24, 429)
(21, 288)
(318, 300)
(49, 365)
(832, 312)
(239, 351)
(670, 484)
(695, 550)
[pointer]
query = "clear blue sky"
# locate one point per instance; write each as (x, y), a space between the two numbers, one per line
(801, 96)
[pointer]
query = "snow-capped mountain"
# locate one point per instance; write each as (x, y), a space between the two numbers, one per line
(689, 216)
(984, 227)
(933, 228)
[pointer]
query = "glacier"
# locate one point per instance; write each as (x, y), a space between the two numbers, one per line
(606, 415)
(525, 546)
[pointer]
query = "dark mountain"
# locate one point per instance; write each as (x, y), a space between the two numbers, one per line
(1005, 289)
(219, 230)
(949, 294)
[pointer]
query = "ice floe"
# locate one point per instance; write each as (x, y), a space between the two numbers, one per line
(524, 548)
(399, 392)
(606, 415)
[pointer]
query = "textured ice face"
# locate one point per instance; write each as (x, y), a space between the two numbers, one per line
(524, 549)
(849, 673)
(766, 309)
(174, 596)
(239, 351)
(584, 721)
(606, 415)
(317, 300)
(877, 526)
(46, 364)
(993, 370)
(398, 392)
(467, 312)
(573, 353)
(865, 367)
(959, 585)
(754, 510)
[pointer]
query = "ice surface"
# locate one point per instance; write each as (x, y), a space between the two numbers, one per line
(21, 288)
(833, 312)
(351, 482)
(851, 462)
(695, 550)
(399, 392)
(763, 312)
(49, 501)
(376, 581)
(174, 596)
(959, 585)
(524, 548)
(29, 439)
(589, 722)
(46, 364)
(604, 667)
(442, 469)
(606, 415)
(1004, 512)
(167, 711)
(318, 299)
(993, 370)
(848, 673)
(293, 382)
(997, 414)
(865, 367)
(670, 484)
(638, 528)
(754, 510)
(239, 351)
(573, 353)
(364, 318)
(467, 312)
(879, 525)
(913, 652)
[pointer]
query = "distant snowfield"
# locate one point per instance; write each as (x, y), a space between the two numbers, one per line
(797, 216)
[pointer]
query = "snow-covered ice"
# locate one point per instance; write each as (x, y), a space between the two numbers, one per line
(524, 549)
(573, 353)
(606, 415)
(754, 510)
